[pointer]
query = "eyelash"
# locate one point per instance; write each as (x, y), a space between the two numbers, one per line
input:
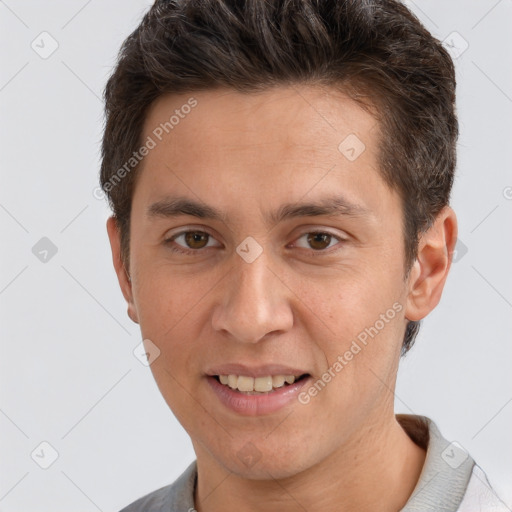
(196, 252)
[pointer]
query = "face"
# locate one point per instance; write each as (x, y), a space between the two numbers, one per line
(264, 244)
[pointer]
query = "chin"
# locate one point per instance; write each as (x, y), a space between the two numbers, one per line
(265, 462)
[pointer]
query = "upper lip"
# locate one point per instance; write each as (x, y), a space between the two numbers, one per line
(254, 371)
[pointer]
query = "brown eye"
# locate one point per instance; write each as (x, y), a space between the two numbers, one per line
(196, 239)
(192, 242)
(319, 241)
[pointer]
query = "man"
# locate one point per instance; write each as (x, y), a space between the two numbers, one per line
(280, 175)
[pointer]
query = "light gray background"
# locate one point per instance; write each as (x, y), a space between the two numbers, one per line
(68, 374)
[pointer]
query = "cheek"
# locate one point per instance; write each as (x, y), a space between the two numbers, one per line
(351, 302)
(166, 298)
(362, 319)
(172, 314)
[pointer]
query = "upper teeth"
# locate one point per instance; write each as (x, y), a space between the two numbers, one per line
(260, 384)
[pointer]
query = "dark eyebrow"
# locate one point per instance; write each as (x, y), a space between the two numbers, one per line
(330, 206)
(176, 206)
(334, 205)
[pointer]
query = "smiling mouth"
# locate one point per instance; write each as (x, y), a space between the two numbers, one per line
(258, 385)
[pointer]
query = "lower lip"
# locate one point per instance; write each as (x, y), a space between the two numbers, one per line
(256, 405)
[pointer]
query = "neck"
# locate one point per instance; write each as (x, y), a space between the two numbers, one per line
(377, 469)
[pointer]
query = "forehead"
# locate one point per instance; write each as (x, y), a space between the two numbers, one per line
(295, 115)
(288, 141)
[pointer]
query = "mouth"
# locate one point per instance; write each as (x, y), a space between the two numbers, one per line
(257, 396)
(264, 385)
(261, 390)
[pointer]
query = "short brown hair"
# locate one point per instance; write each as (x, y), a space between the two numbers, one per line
(375, 50)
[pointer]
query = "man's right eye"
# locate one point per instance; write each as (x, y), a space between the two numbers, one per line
(190, 241)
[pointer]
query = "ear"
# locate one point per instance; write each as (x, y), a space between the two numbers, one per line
(114, 236)
(430, 270)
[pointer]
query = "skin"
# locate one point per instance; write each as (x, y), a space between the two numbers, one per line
(246, 155)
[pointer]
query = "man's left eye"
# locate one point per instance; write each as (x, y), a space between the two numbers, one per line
(318, 240)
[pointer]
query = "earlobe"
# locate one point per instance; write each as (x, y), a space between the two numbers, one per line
(132, 313)
(123, 275)
(430, 270)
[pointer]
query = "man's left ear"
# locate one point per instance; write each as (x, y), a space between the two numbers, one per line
(430, 270)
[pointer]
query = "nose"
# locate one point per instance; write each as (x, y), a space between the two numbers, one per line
(254, 303)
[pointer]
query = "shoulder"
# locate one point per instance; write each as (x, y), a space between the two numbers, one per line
(152, 502)
(480, 495)
(177, 496)
(450, 479)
